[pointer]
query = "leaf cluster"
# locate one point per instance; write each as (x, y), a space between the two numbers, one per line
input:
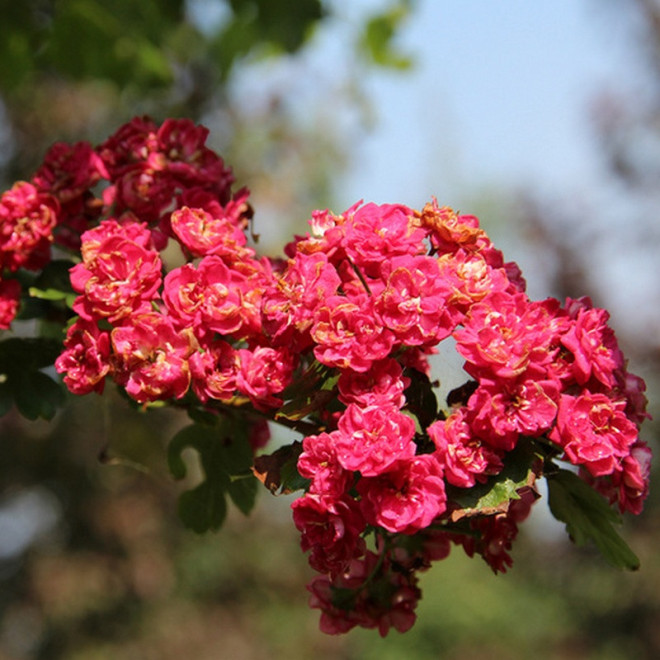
(226, 458)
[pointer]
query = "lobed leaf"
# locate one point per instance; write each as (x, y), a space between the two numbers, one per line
(226, 456)
(588, 518)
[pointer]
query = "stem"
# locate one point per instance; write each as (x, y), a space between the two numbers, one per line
(361, 277)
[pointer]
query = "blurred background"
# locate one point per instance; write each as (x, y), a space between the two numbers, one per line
(541, 118)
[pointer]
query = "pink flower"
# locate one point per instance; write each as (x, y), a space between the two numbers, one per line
(634, 478)
(495, 534)
(121, 279)
(594, 431)
(231, 296)
(594, 347)
(27, 220)
(365, 594)
(374, 438)
(289, 303)
(319, 463)
(181, 151)
(202, 233)
(504, 335)
(263, 373)
(151, 358)
(632, 389)
(414, 302)
(628, 486)
(331, 529)
(85, 360)
(348, 335)
(120, 271)
(470, 279)
(10, 298)
(450, 231)
(69, 170)
(375, 234)
(384, 383)
(214, 371)
(464, 457)
(407, 498)
(501, 411)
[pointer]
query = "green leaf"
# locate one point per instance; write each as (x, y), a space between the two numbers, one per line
(203, 508)
(420, 398)
(226, 457)
(6, 398)
(495, 494)
(243, 492)
(56, 276)
(21, 359)
(51, 294)
(36, 395)
(588, 517)
(379, 33)
(18, 354)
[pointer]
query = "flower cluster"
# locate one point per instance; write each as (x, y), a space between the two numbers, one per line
(334, 341)
(370, 293)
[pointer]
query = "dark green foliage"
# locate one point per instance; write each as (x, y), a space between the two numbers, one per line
(588, 518)
(226, 456)
(34, 393)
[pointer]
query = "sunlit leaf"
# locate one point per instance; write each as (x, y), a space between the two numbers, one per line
(496, 493)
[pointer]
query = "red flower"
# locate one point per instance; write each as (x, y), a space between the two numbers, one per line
(151, 358)
(348, 335)
(594, 431)
(85, 360)
(464, 457)
(414, 302)
(331, 529)
(374, 438)
(10, 298)
(407, 498)
(27, 219)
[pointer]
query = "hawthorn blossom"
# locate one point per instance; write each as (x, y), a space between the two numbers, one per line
(594, 347)
(214, 371)
(406, 498)
(450, 231)
(27, 219)
(374, 438)
(150, 357)
(347, 600)
(384, 383)
(375, 234)
(331, 529)
(290, 302)
(85, 361)
(465, 458)
(505, 335)
(501, 411)
(203, 233)
(10, 298)
(594, 431)
(348, 335)
(263, 373)
(414, 302)
(319, 463)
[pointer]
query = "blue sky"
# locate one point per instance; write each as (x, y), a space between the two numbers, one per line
(499, 95)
